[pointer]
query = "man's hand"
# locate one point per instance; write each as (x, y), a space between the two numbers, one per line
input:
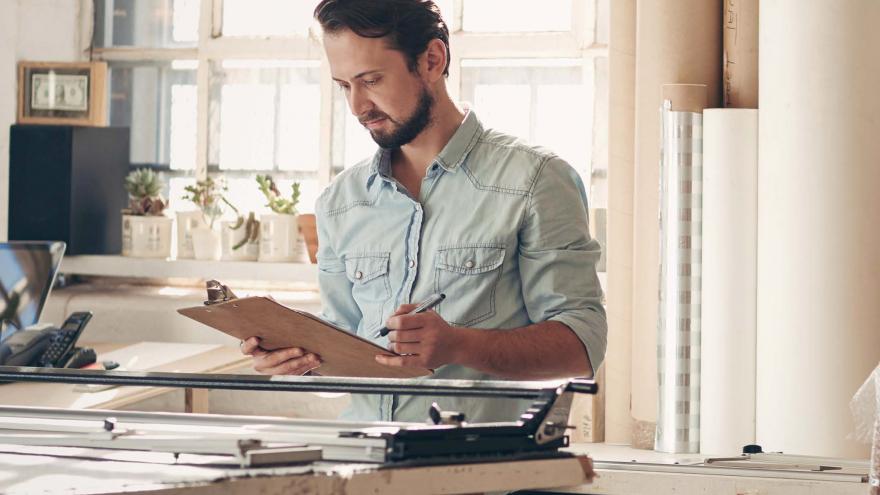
(426, 339)
(287, 361)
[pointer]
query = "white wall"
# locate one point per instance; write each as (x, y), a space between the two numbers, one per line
(41, 30)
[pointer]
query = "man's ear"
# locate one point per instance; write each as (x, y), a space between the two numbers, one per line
(434, 60)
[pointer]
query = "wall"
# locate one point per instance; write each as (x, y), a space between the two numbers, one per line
(42, 30)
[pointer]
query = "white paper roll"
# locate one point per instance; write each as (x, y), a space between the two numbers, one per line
(818, 241)
(730, 268)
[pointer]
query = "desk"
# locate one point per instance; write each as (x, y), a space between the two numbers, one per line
(143, 356)
(47, 471)
(623, 470)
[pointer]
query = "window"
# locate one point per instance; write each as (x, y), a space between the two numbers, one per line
(245, 91)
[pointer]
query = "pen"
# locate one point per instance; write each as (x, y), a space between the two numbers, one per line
(430, 302)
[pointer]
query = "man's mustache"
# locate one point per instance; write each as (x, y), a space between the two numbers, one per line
(370, 117)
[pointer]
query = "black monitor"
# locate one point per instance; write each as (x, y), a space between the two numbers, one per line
(27, 273)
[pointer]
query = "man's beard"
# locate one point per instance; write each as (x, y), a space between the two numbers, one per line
(407, 130)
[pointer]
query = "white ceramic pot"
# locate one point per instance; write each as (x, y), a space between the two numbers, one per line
(279, 236)
(146, 236)
(206, 243)
(249, 251)
(186, 222)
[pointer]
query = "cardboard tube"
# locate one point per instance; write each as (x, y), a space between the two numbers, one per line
(677, 41)
(685, 97)
(818, 259)
(741, 53)
(619, 252)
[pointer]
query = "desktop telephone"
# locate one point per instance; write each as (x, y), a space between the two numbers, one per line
(49, 347)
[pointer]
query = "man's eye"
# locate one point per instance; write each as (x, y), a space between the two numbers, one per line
(370, 82)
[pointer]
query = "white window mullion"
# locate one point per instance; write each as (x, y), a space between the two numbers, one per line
(453, 83)
(144, 54)
(531, 45)
(583, 22)
(203, 75)
(216, 19)
(294, 48)
(455, 24)
(325, 143)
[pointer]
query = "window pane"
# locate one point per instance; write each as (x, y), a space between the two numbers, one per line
(264, 115)
(158, 102)
(267, 17)
(445, 7)
(351, 141)
(546, 102)
(516, 15)
(176, 192)
(299, 135)
(183, 126)
(495, 108)
(244, 193)
(146, 23)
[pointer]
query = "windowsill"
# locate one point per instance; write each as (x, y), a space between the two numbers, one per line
(124, 266)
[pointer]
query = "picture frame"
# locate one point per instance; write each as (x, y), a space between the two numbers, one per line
(62, 93)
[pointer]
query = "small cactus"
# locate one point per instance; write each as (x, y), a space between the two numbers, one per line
(277, 203)
(144, 188)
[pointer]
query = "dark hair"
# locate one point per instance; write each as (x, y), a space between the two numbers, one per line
(409, 24)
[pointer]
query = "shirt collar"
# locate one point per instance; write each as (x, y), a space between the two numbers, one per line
(451, 156)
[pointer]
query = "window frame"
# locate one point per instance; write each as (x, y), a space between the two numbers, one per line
(579, 43)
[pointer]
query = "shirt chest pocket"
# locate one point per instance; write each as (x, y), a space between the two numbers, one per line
(469, 276)
(371, 289)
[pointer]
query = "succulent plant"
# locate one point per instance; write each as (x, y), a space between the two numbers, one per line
(144, 188)
(277, 203)
(208, 196)
(251, 232)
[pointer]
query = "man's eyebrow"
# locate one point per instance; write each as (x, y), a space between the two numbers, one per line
(360, 75)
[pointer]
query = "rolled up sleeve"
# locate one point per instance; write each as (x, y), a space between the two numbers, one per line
(337, 303)
(557, 258)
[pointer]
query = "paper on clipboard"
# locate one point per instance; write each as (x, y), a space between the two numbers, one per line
(342, 353)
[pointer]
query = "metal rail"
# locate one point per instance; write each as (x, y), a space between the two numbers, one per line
(419, 386)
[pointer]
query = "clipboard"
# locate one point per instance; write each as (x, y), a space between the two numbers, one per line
(342, 353)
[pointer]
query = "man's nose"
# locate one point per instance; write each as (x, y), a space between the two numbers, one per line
(358, 102)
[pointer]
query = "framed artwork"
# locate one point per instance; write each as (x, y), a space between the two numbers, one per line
(69, 93)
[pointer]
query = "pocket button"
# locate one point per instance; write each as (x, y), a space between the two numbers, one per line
(469, 264)
(359, 275)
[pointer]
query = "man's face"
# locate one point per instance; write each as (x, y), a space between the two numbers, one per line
(393, 103)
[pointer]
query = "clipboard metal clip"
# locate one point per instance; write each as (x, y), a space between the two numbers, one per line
(218, 293)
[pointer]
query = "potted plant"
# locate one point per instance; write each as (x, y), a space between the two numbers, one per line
(146, 231)
(279, 234)
(240, 238)
(207, 195)
(186, 222)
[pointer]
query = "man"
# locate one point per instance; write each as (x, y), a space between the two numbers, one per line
(445, 206)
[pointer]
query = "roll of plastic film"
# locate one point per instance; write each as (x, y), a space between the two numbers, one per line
(678, 326)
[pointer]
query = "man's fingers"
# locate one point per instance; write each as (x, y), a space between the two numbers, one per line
(250, 345)
(295, 366)
(276, 357)
(400, 361)
(404, 309)
(408, 336)
(407, 322)
(405, 348)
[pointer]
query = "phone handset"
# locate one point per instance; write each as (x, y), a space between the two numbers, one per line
(62, 345)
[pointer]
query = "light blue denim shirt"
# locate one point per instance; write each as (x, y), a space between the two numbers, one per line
(500, 227)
